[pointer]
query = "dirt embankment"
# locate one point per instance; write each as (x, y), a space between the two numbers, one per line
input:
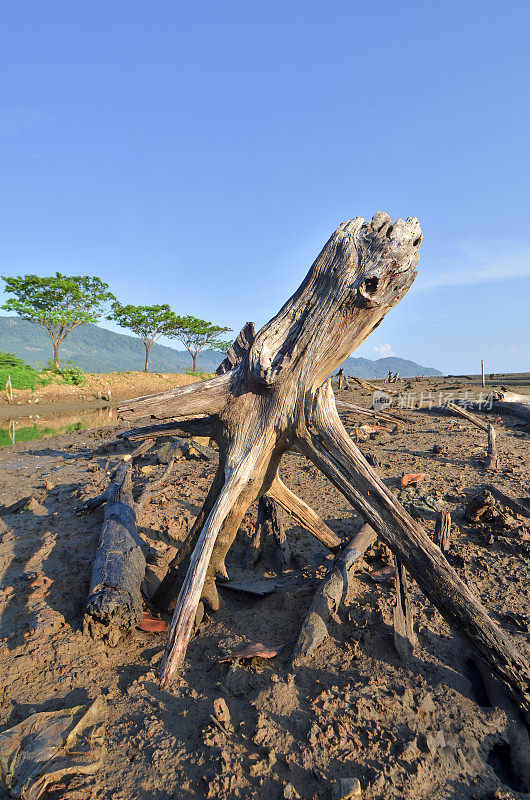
(98, 387)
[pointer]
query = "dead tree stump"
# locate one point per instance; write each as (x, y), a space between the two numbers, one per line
(278, 398)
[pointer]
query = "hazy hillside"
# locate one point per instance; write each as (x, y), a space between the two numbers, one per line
(365, 368)
(99, 350)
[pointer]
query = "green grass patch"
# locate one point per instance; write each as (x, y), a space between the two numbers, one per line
(202, 376)
(23, 377)
(32, 432)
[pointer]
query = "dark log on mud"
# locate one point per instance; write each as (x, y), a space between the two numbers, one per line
(442, 530)
(114, 605)
(492, 459)
(520, 410)
(277, 398)
(330, 595)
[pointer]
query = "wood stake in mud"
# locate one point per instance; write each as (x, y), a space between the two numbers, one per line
(277, 398)
(404, 637)
(442, 530)
(492, 459)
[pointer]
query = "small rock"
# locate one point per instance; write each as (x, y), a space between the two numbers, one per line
(434, 741)
(437, 448)
(346, 788)
(48, 485)
(221, 712)
(203, 440)
(289, 792)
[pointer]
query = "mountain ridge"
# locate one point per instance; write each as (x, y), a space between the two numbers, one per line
(97, 349)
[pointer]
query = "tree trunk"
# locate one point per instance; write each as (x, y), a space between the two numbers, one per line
(277, 398)
(194, 356)
(147, 349)
(56, 356)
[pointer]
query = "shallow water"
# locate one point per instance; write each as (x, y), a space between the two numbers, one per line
(27, 429)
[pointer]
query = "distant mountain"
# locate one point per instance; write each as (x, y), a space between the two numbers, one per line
(96, 349)
(365, 368)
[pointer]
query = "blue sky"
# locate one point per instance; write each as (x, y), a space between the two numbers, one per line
(202, 153)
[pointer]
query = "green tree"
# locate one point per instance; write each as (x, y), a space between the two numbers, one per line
(58, 303)
(197, 334)
(147, 322)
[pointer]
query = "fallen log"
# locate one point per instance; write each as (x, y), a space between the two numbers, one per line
(511, 403)
(302, 513)
(351, 408)
(456, 409)
(194, 427)
(278, 397)
(330, 595)
(114, 605)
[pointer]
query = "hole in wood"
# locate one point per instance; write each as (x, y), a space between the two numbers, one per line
(371, 284)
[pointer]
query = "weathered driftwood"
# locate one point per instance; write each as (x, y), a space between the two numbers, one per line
(330, 595)
(302, 513)
(192, 427)
(442, 530)
(404, 637)
(508, 501)
(492, 458)
(342, 379)
(114, 604)
(269, 535)
(351, 408)
(277, 398)
(456, 409)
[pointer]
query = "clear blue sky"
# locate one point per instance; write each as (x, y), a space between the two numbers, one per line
(202, 153)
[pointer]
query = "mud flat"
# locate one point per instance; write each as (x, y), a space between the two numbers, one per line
(434, 726)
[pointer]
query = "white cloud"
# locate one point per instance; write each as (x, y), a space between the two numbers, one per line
(384, 350)
(475, 265)
(515, 350)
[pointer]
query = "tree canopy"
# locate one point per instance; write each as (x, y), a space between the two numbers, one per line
(147, 322)
(57, 303)
(197, 334)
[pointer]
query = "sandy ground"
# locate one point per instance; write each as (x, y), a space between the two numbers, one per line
(435, 727)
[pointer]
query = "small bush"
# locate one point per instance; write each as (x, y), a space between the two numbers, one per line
(70, 373)
(10, 360)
